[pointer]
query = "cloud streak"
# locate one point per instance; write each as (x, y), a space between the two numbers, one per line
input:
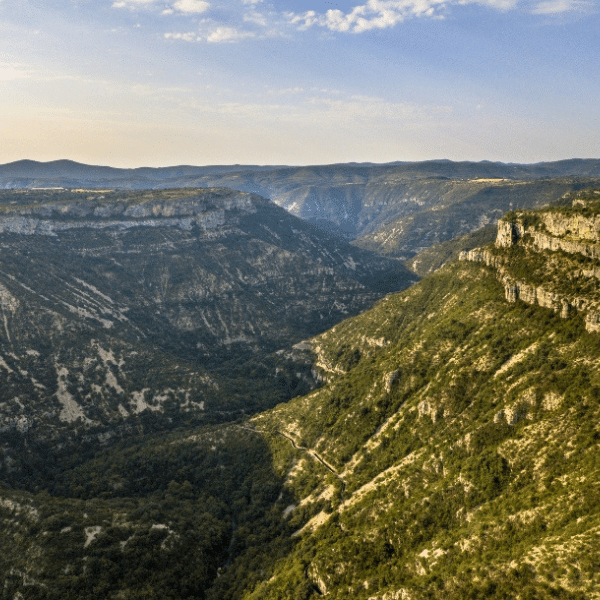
(557, 7)
(132, 4)
(219, 35)
(228, 34)
(12, 71)
(189, 7)
(188, 36)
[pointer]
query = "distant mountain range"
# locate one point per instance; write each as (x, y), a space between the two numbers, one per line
(71, 170)
(68, 170)
(396, 209)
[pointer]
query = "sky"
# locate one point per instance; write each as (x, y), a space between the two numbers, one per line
(131, 83)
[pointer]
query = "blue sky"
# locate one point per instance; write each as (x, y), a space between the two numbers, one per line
(162, 82)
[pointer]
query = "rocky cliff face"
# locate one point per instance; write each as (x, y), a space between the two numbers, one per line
(566, 241)
(206, 210)
(573, 234)
(165, 303)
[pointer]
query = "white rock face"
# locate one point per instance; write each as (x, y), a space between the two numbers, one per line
(7, 300)
(207, 213)
(90, 534)
(508, 233)
(71, 410)
(390, 379)
(573, 230)
(580, 226)
(572, 234)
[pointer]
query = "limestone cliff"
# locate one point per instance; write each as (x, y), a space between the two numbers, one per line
(550, 257)
(206, 209)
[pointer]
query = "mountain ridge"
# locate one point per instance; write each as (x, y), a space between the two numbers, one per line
(18, 167)
(396, 209)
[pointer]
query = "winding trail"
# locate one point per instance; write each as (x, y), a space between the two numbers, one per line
(316, 457)
(312, 453)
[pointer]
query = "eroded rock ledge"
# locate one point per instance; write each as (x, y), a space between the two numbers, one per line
(553, 231)
(208, 211)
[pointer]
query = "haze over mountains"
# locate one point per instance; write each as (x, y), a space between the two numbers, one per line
(187, 411)
(63, 170)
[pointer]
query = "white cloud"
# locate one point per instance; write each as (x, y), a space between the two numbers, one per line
(188, 36)
(497, 4)
(256, 18)
(228, 34)
(375, 14)
(372, 15)
(382, 14)
(191, 6)
(131, 3)
(306, 20)
(217, 35)
(555, 7)
(12, 71)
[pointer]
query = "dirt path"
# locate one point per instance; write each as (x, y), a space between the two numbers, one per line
(312, 453)
(315, 456)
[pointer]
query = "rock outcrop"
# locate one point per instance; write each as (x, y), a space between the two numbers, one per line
(207, 211)
(574, 232)
(509, 233)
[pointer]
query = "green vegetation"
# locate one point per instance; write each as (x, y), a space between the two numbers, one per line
(469, 473)
(158, 517)
(451, 452)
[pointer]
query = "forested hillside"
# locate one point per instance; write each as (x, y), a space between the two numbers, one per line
(451, 452)
(454, 451)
